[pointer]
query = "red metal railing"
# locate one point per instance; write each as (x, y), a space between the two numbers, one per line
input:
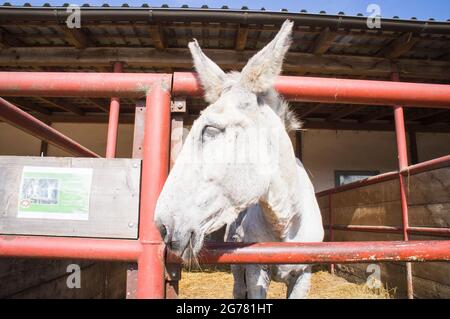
(148, 250)
(340, 91)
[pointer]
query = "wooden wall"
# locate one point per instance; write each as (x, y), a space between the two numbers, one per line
(379, 204)
(32, 278)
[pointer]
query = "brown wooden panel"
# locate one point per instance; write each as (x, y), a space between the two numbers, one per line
(383, 214)
(387, 191)
(429, 187)
(323, 201)
(17, 274)
(99, 280)
(325, 216)
(393, 276)
(340, 235)
(431, 215)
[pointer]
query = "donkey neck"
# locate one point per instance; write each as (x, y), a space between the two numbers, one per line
(280, 206)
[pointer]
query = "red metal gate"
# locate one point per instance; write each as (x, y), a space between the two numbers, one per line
(148, 249)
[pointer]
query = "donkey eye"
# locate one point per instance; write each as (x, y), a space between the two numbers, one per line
(210, 132)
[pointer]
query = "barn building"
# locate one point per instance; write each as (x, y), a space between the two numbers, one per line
(339, 143)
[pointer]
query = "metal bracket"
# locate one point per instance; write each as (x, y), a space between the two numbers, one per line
(178, 105)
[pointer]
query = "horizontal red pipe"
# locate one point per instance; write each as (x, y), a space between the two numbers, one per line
(230, 253)
(367, 228)
(68, 248)
(131, 85)
(430, 231)
(436, 163)
(319, 253)
(330, 90)
(26, 122)
(364, 182)
(434, 231)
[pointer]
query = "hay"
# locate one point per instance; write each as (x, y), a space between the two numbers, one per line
(219, 285)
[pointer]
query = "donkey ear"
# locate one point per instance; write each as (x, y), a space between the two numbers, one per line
(210, 74)
(262, 69)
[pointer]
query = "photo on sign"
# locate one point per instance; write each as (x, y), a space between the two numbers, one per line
(39, 191)
(55, 193)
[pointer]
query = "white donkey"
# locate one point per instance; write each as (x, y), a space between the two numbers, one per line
(217, 174)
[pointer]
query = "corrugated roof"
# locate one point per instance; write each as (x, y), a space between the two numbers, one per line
(150, 39)
(205, 6)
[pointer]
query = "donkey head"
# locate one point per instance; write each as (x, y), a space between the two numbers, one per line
(232, 151)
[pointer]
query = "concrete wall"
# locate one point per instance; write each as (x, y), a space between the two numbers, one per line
(93, 136)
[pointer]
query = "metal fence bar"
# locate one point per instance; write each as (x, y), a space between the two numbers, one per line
(69, 248)
(329, 90)
(430, 231)
(324, 252)
(113, 124)
(402, 150)
(155, 167)
(130, 85)
(230, 253)
(28, 123)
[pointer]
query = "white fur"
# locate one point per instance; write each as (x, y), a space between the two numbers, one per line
(238, 157)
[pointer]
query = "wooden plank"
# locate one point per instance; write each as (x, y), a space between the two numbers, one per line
(30, 107)
(377, 115)
(382, 214)
(323, 41)
(387, 191)
(180, 58)
(431, 187)
(241, 38)
(401, 45)
(341, 235)
(115, 280)
(114, 198)
(157, 36)
(437, 118)
(430, 215)
(7, 40)
(62, 106)
(355, 126)
(101, 107)
(435, 271)
(414, 155)
(76, 37)
(347, 110)
(393, 276)
(430, 280)
(129, 118)
(303, 112)
(19, 274)
(92, 285)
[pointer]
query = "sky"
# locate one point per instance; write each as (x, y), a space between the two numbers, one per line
(421, 9)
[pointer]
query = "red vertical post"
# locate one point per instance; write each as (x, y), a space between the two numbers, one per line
(155, 166)
(114, 109)
(402, 152)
